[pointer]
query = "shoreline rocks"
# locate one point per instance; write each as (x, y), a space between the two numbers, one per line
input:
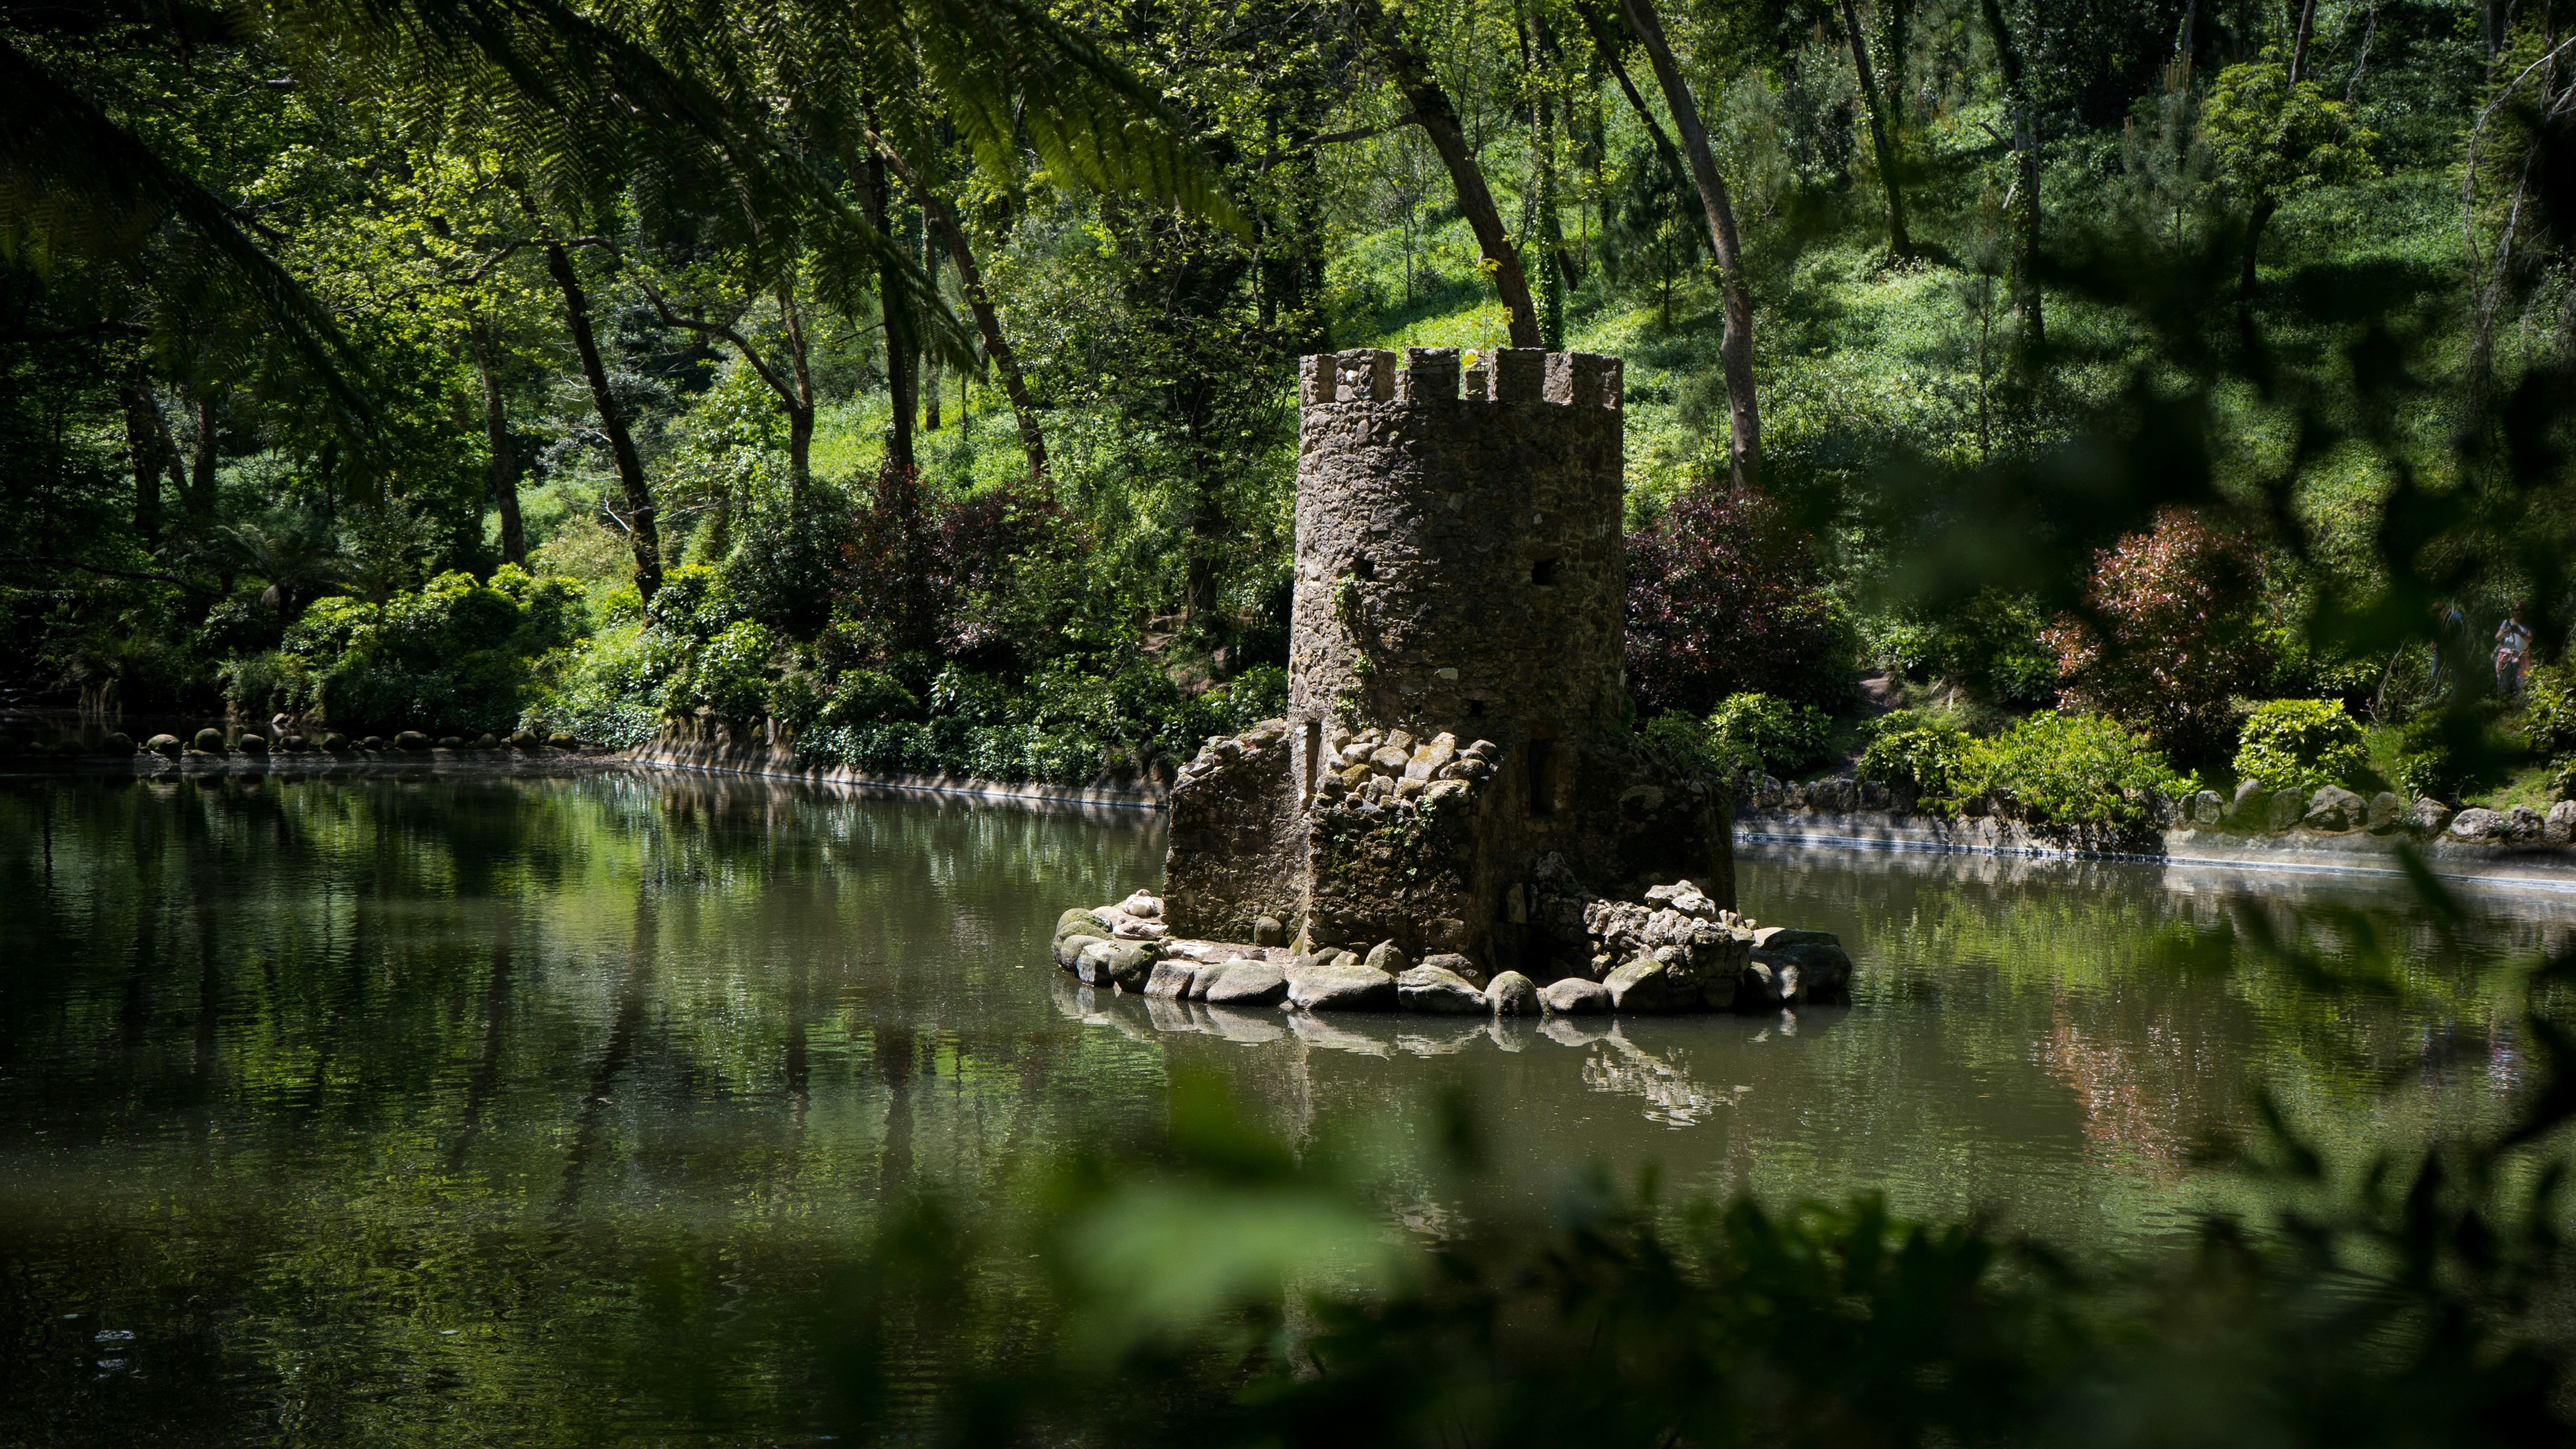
(1675, 952)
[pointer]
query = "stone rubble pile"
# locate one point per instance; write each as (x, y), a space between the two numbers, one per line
(1676, 951)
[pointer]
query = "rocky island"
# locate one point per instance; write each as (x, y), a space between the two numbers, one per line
(1454, 814)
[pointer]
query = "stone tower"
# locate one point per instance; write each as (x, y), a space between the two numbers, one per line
(1456, 751)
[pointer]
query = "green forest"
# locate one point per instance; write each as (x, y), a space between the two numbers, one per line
(921, 378)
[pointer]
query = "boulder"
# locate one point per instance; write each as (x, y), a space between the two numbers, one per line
(1648, 985)
(2477, 825)
(411, 740)
(208, 742)
(2208, 808)
(1242, 983)
(1574, 996)
(1082, 921)
(2429, 817)
(295, 744)
(1342, 988)
(487, 741)
(1172, 977)
(525, 739)
(1068, 949)
(1438, 991)
(2247, 809)
(2288, 808)
(1267, 931)
(451, 742)
(1459, 966)
(1512, 994)
(2523, 825)
(166, 746)
(373, 744)
(2385, 808)
(118, 742)
(1684, 897)
(336, 743)
(1389, 957)
(2559, 828)
(2335, 808)
(252, 745)
(1428, 760)
(1115, 963)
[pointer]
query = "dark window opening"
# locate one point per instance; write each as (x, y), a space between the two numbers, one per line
(1542, 777)
(1543, 571)
(1314, 748)
(1475, 706)
(1363, 567)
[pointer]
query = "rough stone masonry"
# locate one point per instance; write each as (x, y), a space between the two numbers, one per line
(1456, 775)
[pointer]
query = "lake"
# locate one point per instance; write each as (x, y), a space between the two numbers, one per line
(463, 1111)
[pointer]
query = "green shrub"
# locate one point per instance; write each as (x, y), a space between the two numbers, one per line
(454, 656)
(2300, 744)
(1686, 740)
(2073, 769)
(2549, 710)
(1906, 748)
(2562, 778)
(1768, 734)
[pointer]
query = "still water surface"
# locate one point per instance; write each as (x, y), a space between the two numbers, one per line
(538, 1111)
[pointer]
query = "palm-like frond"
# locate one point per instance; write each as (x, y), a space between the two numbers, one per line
(74, 183)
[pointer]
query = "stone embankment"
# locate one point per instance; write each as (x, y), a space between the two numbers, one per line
(2330, 828)
(218, 750)
(1675, 952)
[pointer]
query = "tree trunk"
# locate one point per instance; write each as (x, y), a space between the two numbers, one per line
(2299, 46)
(1735, 345)
(504, 472)
(1439, 120)
(2247, 284)
(2026, 300)
(1607, 44)
(1551, 237)
(898, 325)
(800, 407)
(1880, 139)
(1006, 364)
(642, 533)
(147, 443)
(201, 481)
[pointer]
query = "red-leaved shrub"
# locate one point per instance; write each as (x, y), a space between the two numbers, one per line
(1724, 595)
(2179, 634)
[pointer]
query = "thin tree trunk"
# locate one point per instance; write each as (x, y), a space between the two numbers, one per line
(1439, 120)
(2026, 299)
(201, 483)
(1607, 44)
(1551, 237)
(800, 407)
(970, 280)
(2247, 284)
(1880, 139)
(642, 534)
(898, 325)
(1735, 345)
(2299, 46)
(504, 472)
(147, 443)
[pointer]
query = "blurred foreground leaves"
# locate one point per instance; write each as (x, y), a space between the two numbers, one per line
(1214, 1287)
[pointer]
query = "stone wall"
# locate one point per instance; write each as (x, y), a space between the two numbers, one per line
(1238, 838)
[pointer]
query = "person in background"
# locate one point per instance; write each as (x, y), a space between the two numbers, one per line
(2512, 655)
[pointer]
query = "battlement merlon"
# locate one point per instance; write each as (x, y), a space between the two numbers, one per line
(1432, 375)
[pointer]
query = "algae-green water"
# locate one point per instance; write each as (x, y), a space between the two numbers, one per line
(455, 1111)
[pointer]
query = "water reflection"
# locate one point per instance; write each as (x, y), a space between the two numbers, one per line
(454, 1110)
